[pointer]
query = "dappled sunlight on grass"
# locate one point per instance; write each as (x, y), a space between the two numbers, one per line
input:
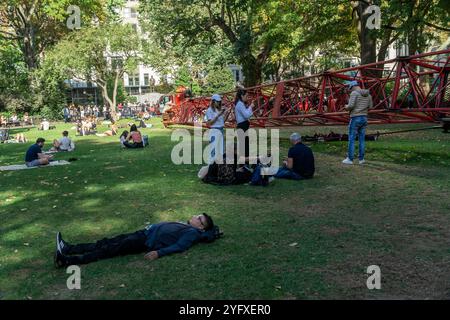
(297, 236)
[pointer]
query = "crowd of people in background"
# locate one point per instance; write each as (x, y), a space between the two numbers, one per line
(15, 120)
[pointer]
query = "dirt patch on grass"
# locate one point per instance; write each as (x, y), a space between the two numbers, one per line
(402, 277)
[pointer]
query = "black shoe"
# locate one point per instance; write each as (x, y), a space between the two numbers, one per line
(60, 260)
(61, 246)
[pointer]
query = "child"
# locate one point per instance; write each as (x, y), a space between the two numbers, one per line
(123, 138)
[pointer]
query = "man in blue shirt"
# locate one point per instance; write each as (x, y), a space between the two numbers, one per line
(157, 240)
(300, 162)
(34, 156)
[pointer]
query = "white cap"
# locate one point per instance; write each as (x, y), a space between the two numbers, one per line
(216, 97)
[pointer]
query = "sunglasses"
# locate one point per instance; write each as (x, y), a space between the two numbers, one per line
(200, 219)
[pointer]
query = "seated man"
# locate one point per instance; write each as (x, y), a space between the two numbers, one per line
(64, 143)
(157, 240)
(27, 119)
(300, 162)
(45, 125)
(34, 156)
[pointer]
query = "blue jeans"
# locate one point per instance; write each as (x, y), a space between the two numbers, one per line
(285, 173)
(357, 127)
(34, 163)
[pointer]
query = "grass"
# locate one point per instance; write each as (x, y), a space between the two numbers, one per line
(394, 212)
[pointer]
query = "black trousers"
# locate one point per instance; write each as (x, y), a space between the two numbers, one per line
(131, 243)
(245, 125)
(133, 145)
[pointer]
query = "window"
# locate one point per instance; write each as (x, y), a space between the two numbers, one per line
(145, 79)
(136, 80)
(134, 26)
(133, 13)
(237, 75)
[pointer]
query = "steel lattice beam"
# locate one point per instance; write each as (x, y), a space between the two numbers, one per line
(411, 89)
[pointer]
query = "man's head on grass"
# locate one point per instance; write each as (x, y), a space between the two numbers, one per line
(202, 222)
(40, 142)
(65, 133)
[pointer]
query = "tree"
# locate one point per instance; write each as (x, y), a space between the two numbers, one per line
(244, 24)
(13, 77)
(100, 55)
(35, 25)
(218, 80)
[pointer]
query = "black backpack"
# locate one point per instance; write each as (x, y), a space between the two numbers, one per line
(212, 235)
(221, 174)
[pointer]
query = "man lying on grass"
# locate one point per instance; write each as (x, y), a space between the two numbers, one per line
(157, 240)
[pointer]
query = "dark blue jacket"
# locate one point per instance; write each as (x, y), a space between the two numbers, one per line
(172, 237)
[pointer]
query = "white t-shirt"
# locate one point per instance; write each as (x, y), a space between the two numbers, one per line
(45, 125)
(65, 143)
(211, 114)
(242, 113)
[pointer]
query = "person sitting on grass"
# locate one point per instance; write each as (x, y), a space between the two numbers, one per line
(63, 144)
(20, 138)
(45, 125)
(134, 136)
(3, 120)
(34, 156)
(123, 138)
(156, 240)
(111, 132)
(27, 119)
(299, 163)
(230, 172)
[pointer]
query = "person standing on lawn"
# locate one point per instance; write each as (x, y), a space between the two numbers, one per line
(358, 105)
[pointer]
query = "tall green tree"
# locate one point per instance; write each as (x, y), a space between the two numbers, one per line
(243, 24)
(35, 25)
(13, 77)
(100, 55)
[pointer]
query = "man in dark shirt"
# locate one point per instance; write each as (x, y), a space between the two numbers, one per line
(157, 240)
(300, 162)
(34, 156)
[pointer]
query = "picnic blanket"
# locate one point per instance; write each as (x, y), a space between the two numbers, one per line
(23, 166)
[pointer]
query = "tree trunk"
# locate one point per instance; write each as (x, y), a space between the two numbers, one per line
(111, 105)
(252, 70)
(368, 43)
(29, 54)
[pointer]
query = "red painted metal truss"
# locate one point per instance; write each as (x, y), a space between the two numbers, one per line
(412, 89)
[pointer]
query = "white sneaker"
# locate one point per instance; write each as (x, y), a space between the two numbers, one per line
(362, 161)
(347, 161)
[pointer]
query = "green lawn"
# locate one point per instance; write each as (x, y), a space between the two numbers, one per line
(394, 212)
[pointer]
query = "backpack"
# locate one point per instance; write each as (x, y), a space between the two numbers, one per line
(145, 140)
(226, 173)
(212, 235)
